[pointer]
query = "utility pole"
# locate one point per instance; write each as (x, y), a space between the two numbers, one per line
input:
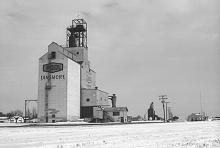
(25, 107)
(166, 109)
(201, 105)
(163, 97)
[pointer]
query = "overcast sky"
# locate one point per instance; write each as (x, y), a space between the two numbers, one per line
(139, 49)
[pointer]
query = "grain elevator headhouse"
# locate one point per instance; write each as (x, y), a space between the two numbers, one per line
(67, 87)
(77, 34)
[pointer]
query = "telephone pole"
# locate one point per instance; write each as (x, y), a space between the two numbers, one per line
(163, 97)
(166, 109)
(25, 107)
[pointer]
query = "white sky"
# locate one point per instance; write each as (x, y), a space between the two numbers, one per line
(139, 49)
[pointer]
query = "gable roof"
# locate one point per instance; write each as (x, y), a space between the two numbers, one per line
(63, 51)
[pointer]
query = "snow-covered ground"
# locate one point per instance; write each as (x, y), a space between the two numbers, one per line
(145, 135)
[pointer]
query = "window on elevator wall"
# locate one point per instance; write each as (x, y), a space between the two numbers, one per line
(53, 55)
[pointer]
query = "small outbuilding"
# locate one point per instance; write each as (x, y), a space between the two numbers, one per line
(118, 114)
(16, 119)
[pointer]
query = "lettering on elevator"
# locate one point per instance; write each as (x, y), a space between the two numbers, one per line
(52, 67)
(88, 77)
(53, 77)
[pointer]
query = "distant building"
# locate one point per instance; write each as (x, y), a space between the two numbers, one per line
(216, 118)
(4, 119)
(138, 118)
(158, 118)
(194, 117)
(151, 112)
(16, 119)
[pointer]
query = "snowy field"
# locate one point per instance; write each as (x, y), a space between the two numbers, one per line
(147, 135)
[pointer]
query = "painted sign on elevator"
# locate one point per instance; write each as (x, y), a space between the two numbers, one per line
(53, 67)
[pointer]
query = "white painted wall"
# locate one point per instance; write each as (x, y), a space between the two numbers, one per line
(73, 90)
(57, 95)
